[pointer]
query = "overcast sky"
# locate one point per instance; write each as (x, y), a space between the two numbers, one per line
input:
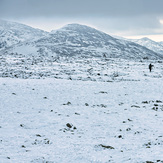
(128, 18)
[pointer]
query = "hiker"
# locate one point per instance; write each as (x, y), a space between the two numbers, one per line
(150, 67)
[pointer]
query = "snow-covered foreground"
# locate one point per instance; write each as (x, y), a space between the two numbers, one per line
(58, 120)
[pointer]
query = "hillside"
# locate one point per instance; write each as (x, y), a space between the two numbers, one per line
(12, 33)
(150, 44)
(71, 40)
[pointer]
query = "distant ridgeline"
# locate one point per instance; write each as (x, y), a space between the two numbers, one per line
(73, 40)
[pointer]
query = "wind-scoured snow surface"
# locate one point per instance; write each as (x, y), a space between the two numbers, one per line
(84, 110)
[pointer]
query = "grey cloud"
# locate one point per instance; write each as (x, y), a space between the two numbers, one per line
(129, 25)
(82, 8)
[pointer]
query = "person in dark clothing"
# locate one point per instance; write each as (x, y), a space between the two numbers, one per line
(150, 67)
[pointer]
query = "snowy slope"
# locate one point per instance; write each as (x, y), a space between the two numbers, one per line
(150, 44)
(61, 121)
(12, 33)
(81, 40)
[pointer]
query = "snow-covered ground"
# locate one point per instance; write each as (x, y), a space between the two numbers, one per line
(84, 111)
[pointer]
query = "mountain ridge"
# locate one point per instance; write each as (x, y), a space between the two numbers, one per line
(80, 40)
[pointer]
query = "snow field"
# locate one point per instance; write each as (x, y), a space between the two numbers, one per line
(58, 120)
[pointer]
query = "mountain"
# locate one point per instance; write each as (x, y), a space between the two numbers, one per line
(12, 33)
(150, 44)
(78, 40)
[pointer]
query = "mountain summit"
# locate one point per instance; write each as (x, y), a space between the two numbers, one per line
(80, 36)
